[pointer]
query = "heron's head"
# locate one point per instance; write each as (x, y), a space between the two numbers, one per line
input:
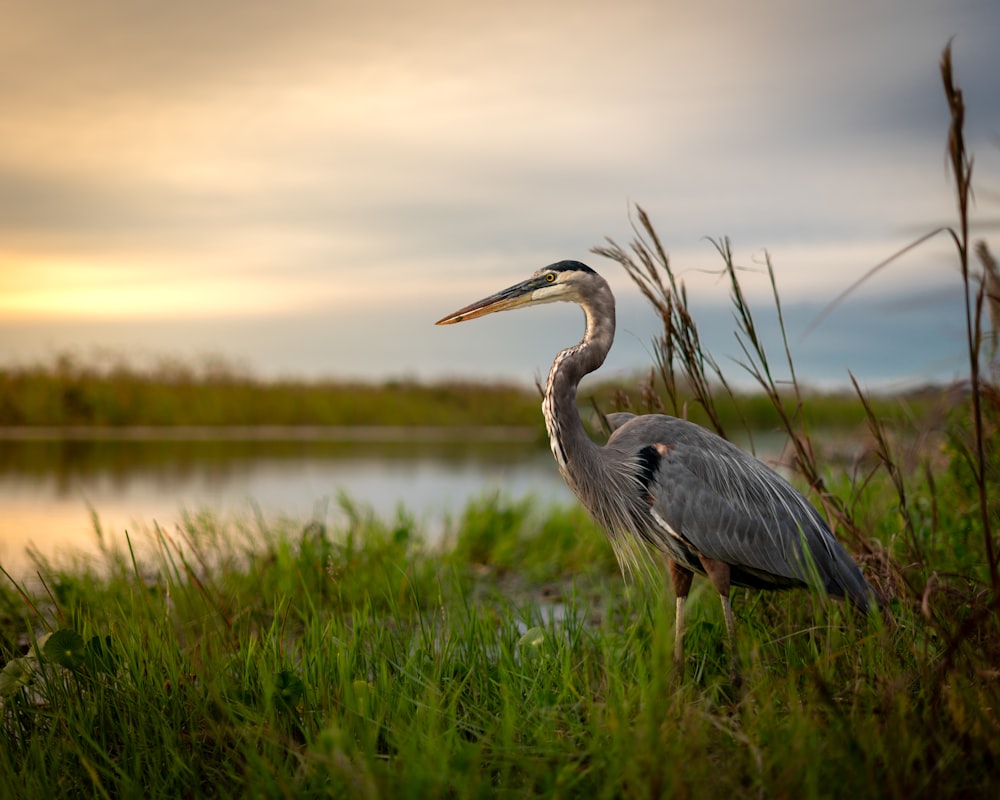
(567, 280)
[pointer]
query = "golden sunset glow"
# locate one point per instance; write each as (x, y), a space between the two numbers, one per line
(68, 288)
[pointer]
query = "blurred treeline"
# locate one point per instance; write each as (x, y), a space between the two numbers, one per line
(71, 392)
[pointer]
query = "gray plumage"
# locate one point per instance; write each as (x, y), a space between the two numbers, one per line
(711, 498)
(667, 484)
(727, 505)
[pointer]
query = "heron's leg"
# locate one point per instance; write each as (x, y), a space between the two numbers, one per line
(727, 612)
(681, 579)
(718, 574)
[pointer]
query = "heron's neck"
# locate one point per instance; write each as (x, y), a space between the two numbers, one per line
(571, 445)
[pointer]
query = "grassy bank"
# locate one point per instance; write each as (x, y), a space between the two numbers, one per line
(71, 392)
(292, 660)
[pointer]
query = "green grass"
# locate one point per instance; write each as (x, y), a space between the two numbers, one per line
(291, 660)
(72, 392)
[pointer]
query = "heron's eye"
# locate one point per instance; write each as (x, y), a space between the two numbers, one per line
(549, 277)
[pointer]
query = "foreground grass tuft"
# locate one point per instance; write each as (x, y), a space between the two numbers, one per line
(358, 661)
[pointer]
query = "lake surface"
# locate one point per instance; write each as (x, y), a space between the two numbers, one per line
(53, 485)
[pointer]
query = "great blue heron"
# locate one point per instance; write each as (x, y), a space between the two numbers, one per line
(669, 484)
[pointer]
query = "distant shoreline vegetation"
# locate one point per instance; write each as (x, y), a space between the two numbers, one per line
(70, 392)
(71, 397)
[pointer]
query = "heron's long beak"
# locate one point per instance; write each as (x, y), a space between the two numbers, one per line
(512, 297)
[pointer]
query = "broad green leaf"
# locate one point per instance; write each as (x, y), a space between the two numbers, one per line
(533, 637)
(16, 673)
(65, 648)
(288, 690)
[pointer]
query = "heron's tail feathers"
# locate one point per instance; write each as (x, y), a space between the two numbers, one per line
(851, 584)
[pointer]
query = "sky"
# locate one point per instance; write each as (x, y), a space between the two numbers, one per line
(303, 188)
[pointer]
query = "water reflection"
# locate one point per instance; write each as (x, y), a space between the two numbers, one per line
(48, 487)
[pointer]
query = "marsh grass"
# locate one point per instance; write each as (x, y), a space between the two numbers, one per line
(74, 391)
(248, 657)
(100, 398)
(358, 661)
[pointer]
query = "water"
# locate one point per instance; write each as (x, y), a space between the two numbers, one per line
(51, 489)
(55, 484)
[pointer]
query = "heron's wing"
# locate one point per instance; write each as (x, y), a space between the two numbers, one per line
(728, 506)
(718, 517)
(617, 419)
